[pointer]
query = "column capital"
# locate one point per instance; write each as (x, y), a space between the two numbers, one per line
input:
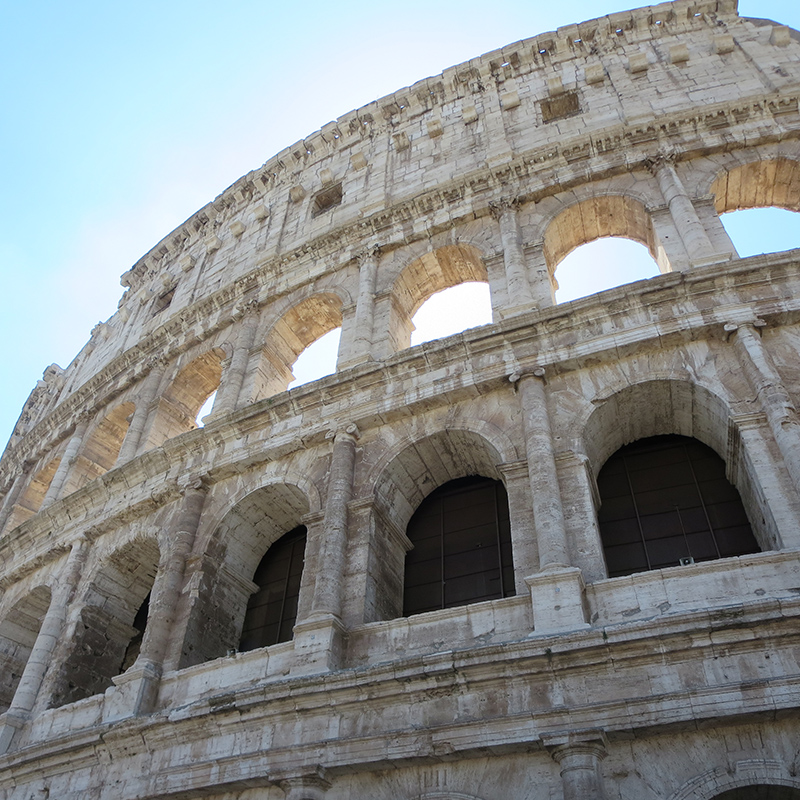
(503, 205)
(562, 744)
(367, 254)
(193, 483)
(659, 160)
(311, 785)
(345, 431)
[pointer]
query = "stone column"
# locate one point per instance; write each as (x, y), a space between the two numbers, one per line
(579, 756)
(144, 404)
(308, 786)
(14, 492)
(519, 292)
(49, 633)
(542, 282)
(766, 383)
(694, 236)
(557, 590)
(139, 685)
(67, 460)
(318, 638)
(230, 388)
(365, 309)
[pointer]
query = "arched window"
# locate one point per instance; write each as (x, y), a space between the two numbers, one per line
(665, 500)
(452, 311)
(761, 791)
(272, 608)
(462, 547)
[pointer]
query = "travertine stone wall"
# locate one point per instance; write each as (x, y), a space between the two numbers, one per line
(674, 683)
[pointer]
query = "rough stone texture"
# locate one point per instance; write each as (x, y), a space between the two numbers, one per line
(676, 683)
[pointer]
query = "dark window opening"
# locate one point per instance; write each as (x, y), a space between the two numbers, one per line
(327, 198)
(272, 609)
(135, 644)
(462, 547)
(163, 302)
(666, 501)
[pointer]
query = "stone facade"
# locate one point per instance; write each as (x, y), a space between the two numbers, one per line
(680, 682)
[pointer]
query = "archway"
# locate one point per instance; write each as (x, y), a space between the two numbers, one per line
(32, 498)
(109, 622)
(603, 217)
(180, 404)
(664, 501)
(427, 275)
(302, 325)
(759, 204)
(18, 632)
(101, 448)
(266, 518)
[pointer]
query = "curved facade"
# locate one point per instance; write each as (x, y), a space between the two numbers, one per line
(136, 547)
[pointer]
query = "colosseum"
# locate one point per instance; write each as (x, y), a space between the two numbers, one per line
(245, 609)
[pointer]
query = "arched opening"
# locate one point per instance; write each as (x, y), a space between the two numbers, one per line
(760, 791)
(461, 537)
(301, 326)
(32, 498)
(451, 311)
(603, 264)
(18, 632)
(111, 625)
(179, 407)
(444, 458)
(759, 204)
(272, 608)
(606, 217)
(440, 269)
(660, 408)
(101, 448)
(257, 584)
(754, 231)
(665, 501)
(317, 360)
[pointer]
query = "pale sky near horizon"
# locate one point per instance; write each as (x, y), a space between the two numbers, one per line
(119, 121)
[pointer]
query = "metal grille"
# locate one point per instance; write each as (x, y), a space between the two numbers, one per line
(666, 501)
(272, 609)
(462, 547)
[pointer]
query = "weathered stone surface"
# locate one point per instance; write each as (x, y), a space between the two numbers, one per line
(678, 682)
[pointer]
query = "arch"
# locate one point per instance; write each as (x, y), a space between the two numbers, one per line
(272, 607)
(600, 216)
(722, 783)
(179, 405)
(105, 628)
(32, 498)
(100, 450)
(18, 632)
(240, 541)
(461, 554)
(432, 272)
(293, 332)
(669, 406)
(665, 500)
(415, 468)
(758, 184)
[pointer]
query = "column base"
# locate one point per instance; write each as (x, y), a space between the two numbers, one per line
(319, 644)
(707, 261)
(10, 723)
(558, 596)
(134, 692)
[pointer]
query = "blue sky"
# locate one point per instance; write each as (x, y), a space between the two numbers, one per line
(118, 121)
